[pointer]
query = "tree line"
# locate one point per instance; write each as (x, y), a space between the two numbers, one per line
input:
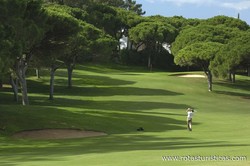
(55, 33)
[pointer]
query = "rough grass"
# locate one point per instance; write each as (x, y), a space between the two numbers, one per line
(118, 101)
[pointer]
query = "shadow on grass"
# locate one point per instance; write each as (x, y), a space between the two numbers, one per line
(133, 114)
(239, 85)
(238, 94)
(124, 91)
(100, 91)
(120, 123)
(7, 97)
(60, 150)
(36, 88)
(83, 80)
(112, 69)
(116, 105)
(108, 116)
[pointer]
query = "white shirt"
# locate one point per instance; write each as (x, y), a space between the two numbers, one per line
(190, 115)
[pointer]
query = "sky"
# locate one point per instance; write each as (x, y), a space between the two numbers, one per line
(202, 9)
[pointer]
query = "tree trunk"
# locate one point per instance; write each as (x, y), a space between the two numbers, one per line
(209, 80)
(129, 44)
(24, 91)
(248, 70)
(70, 68)
(14, 85)
(158, 47)
(127, 58)
(53, 69)
(230, 76)
(152, 53)
(70, 71)
(52, 80)
(150, 63)
(38, 73)
(233, 77)
(1, 83)
(21, 67)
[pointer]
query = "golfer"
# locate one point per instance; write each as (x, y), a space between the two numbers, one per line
(190, 114)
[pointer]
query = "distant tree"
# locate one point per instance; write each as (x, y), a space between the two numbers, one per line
(199, 54)
(54, 1)
(128, 20)
(227, 21)
(8, 51)
(87, 43)
(71, 3)
(7, 46)
(152, 35)
(178, 22)
(234, 55)
(70, 38)
(203, 33)
(131, 5)
(197, 36)
(24, 26)
(104, 17)
(54, 46)
(115, 3)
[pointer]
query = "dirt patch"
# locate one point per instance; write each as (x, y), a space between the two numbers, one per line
(192, 76)
(56, 134)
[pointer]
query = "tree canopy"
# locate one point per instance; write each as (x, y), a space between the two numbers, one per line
(55, 33)
(24, 26)
(234, 55)
(203, 33)
(199, 54)
(227, 21)
(198, 45)
(152, 35)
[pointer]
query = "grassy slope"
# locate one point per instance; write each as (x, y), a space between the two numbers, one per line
(118, 102)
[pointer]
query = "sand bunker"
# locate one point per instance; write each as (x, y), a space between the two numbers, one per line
(56, 134)
(192, 76)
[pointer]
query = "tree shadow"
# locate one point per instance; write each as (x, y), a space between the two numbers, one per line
(94, 115)
(240, 85)
(99, 91)
(238, 94)
(107, 105)
(112, 69)
(59, 150)
(108, 116)
(7, 97)
(130, 115)
(83, 80)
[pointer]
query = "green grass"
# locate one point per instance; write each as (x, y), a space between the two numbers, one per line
(118, 101)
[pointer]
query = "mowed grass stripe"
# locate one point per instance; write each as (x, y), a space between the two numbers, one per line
(118, 101)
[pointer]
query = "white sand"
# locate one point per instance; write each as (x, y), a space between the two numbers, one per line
(192, 76)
